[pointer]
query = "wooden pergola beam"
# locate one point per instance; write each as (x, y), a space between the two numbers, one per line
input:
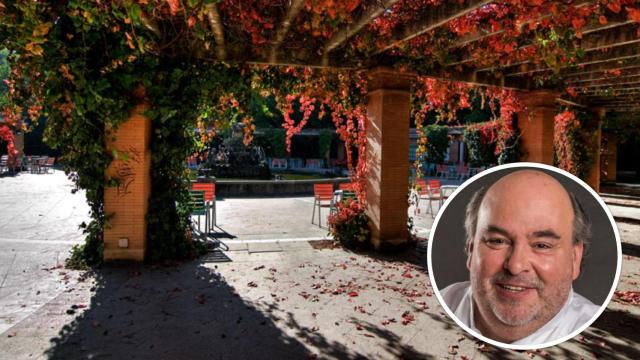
(348, 31)
(620, 91)
(606, 39)
(600, 76)
(218, 30)
(588, 33)
(435, 18)
(629, 80)
(570, 103)
(618, 54)
(600, 69)
(283, 29)
(618, 36)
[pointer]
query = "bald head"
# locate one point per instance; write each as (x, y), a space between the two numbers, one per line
(534, 190)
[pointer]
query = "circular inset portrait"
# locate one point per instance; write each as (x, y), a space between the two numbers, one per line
(524, 256)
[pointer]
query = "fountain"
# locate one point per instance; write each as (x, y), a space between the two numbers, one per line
(232, 159)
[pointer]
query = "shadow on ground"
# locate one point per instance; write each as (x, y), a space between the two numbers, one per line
(186, 311)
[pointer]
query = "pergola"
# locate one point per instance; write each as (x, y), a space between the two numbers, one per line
(604, 76)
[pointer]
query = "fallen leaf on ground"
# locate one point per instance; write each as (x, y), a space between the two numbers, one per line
(258, 267)
(453, 349)
(10, 335)
(630, 297)
(407, 318)
(252, 284)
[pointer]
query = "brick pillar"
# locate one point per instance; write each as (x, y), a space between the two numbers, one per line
(609, 157)
(127, 204)
(593, 178)
(18, 142)
(536, 126)
(388, 109)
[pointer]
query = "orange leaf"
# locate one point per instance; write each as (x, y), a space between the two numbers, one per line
(633, 14)
(603, 20)
(174, 6)
(614, 6)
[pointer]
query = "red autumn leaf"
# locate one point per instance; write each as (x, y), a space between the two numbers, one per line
(572, 92)
(174, 6)
(578, 23)
(614, 6)
(407, 318)
(633, 14)
(191, 21)
(603, 20)
(407, 274)
(353, 294)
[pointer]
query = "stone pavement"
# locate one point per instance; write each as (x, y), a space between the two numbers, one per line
(305, 300)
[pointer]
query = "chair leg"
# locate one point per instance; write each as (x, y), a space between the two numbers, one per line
(319, 216)
(314, 211)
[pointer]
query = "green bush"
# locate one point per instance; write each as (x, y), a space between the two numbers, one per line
(325, 139)
(479, 152)
(437, 143)
(277, 139)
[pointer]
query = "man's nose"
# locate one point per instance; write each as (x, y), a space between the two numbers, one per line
(518, 259)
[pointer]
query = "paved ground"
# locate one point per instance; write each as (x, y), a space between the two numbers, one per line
(286, 299)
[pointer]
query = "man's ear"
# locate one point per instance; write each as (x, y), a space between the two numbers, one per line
(577, 259)
(469, 253)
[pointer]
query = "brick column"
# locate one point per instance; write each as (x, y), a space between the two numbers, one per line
(609, 157)
(593, 178)
(388, 109)
(127, 204)
(536, 126)
(18, 142)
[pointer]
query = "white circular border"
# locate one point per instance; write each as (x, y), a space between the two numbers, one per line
(524, 165)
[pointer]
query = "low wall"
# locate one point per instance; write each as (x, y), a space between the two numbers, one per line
(241, 188)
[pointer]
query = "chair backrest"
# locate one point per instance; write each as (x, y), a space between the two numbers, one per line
(421, 187)
(42, 160)
(323, 191)
(346, 186)
(349, 196)
(209, 190)
(51, 161)
(434, 185)
(197, 200)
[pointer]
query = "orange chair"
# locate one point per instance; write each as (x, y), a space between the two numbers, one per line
(323, 197)
(210, 200)
(430, 191)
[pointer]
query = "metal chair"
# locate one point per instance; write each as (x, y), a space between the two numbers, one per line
(323, 197)
(209, 190)
(198, 207)
(430, 191)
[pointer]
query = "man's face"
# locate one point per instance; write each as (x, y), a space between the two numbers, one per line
(522, 260)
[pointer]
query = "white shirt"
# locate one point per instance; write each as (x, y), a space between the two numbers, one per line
(576, 311)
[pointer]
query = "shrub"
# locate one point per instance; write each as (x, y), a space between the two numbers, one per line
(349, 225)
